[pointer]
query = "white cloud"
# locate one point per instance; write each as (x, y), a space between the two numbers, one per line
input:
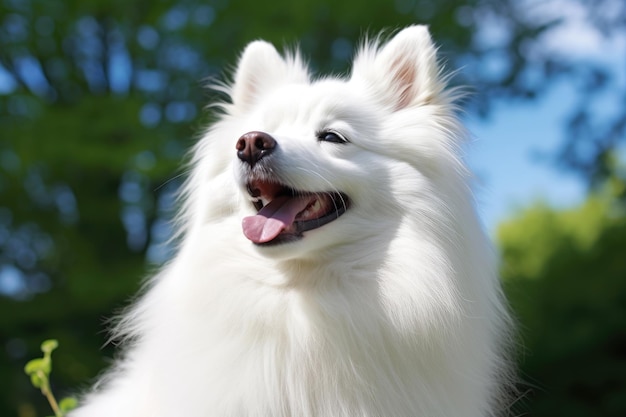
(575, 37)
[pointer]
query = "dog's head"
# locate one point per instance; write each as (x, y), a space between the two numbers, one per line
(325, 162)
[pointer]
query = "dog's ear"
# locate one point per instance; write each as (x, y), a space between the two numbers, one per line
(403, 72)
(260, 69)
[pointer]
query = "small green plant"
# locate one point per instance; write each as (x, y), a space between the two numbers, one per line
(39, 371)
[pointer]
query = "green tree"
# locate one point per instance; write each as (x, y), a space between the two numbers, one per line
(565, 274)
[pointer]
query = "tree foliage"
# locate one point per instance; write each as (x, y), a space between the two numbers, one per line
(564, 272)
(99, 100)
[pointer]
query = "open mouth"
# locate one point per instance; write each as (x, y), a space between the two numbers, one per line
(284, 213)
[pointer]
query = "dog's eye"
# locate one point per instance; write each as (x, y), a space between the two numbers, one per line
(330, 136)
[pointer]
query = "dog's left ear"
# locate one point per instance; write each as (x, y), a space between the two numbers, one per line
(262, 68)
(404, 72)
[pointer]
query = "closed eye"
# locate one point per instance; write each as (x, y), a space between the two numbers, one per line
(331, 136)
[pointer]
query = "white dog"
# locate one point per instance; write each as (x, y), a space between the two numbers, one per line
(331, 262)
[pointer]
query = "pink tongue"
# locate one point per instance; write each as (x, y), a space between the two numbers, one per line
(272, 219)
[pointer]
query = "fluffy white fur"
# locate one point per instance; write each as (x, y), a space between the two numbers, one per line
(394, 309)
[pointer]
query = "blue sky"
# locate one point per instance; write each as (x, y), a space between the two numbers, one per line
(503, 155)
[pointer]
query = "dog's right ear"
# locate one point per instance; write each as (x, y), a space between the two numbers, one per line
(260, 69)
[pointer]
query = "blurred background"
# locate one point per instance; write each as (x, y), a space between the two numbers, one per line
(99, 99)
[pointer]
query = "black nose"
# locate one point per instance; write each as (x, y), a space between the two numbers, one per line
(253, 146)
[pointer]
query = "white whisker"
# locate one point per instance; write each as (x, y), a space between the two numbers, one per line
(332, 187)
(170, 180)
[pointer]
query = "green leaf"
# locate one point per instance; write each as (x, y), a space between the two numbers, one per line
(36, 365)
(36, 380)
(67, 404)
(49, 345)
